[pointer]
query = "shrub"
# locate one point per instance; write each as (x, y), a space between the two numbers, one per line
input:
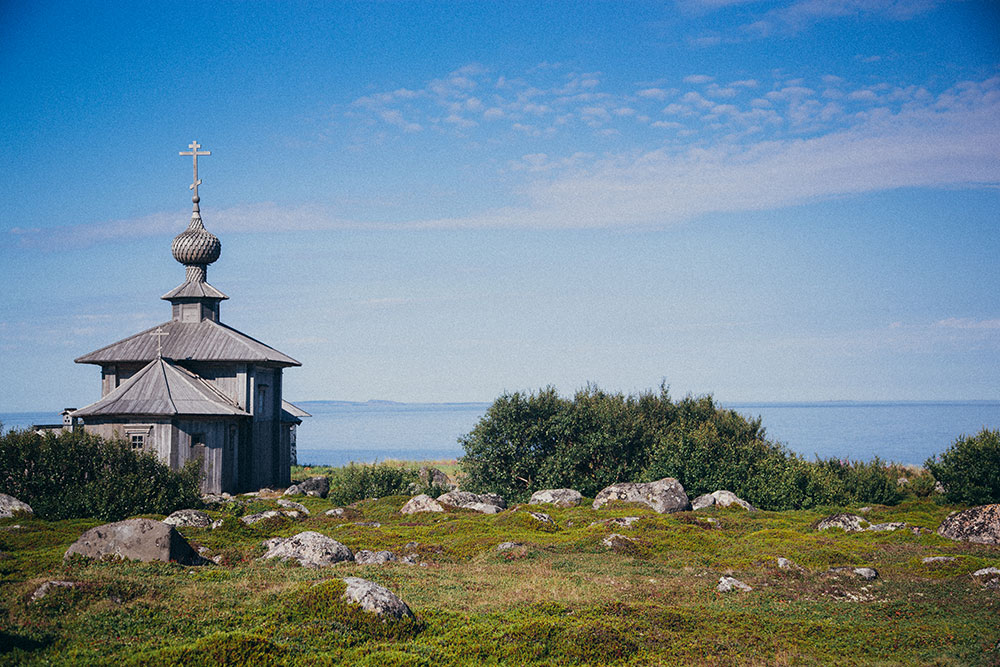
(357, 481)
(970, 469)
(77, 474)
(861, 482)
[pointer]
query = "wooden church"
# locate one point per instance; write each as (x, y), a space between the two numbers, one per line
(194, 388)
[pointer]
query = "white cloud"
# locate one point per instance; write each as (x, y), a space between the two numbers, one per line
(698, 78)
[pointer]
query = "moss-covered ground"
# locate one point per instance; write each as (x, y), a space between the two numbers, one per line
(561, 598)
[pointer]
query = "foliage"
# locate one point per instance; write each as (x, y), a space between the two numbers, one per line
(77, 474)
(535, 441)
(970, 469)
(356, 482)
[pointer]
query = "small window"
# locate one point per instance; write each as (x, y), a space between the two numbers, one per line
(138, 441)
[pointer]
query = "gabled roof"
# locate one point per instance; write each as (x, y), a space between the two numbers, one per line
(189, 341)
(162, 389)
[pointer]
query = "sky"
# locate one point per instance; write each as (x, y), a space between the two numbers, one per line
(444, 201)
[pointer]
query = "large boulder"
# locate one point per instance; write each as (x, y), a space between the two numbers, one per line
(849, 523)
(318, 487)
(722, 498)
(976, 524)
(421, 503)
(135, 539)
(664, 495)
(10, 504)
(309, 548)
(374, 598)
(487, 503)
(557, 497)
(189, 519)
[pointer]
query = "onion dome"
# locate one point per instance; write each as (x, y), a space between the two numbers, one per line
(196, 245)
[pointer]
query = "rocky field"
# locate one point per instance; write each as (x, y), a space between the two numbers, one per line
(462, 580)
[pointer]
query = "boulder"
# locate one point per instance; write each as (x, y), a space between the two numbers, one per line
(10, 504)
(374, 598)
(665, 495)
(298, 507)
(421, 503)
(216, 498)
(366, 557)
(336, 511)
(310, 549)
(135, 539)
(850, 523)
(317, 487)
(557, 497)
(189, 519)
(722, 498)
(986, 571)
(937, 559)
(487, 503)
(434, 477)
(977, 524)
(868, 573)
(542, 518)
(729, 584)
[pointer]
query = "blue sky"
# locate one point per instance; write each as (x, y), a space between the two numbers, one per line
(791, 200)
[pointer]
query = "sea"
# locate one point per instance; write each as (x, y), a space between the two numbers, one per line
(339, 432)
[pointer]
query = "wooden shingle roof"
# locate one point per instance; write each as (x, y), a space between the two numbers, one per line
(189, 341)
(162, 389)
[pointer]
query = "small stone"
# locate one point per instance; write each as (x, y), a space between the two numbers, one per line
(507, 546)
(616, 541)
(786, 564)
(374, 598)
(368, 524)
(309, 549)
(10, 504)
(542, 518)
(336, 511)
(557, 497)
(411, 545)
(298, 507)
(47, 587)
(887, 527)
(259, 516)
(986, 571)
(292, 514)
(850, 523)
(868, 573)
(937, 559)
(366, 557)
(728, 584)
(421, 503)
(217, 524)
(189, 518)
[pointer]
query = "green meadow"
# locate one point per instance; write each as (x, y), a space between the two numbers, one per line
(561, 597)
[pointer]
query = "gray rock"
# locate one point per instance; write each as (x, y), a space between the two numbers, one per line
(939, 488)
(664, 495)
(623, 521)
(507, 546)
(487, 503)
(310, 549)
(421, 503)
(887, 527)
(366, 557)
(135, 539)
(189, 518)
(374, 598)
(786, 564)
(336, 511)
(617, 541)
(722, 498)
(433, 477)
(863, 572)
(977, 524)
(298, 507)
(986, 571)
(937, 559)
(850, 523)
(10, 504)
(557, 497)
(729, 584)
(542, 518)
(368, 524)
(318, 487)
(293, 514)
(218, 523)
(259, 516)
(216, 498)
(47, 587)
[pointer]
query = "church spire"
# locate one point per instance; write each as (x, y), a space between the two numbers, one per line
(196, 248)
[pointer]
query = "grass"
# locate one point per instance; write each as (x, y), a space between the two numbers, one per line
(561, 598)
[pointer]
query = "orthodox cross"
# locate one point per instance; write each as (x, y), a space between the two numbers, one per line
(159, 333)
(194, 153)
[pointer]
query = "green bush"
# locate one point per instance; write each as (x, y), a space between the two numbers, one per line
(970, 469)
(358, 481)
(527, 442)
(75, 475)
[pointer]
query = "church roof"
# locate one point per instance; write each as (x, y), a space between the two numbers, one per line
(291, 413)
(194, 289)
(189, 341)
(162, 389)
